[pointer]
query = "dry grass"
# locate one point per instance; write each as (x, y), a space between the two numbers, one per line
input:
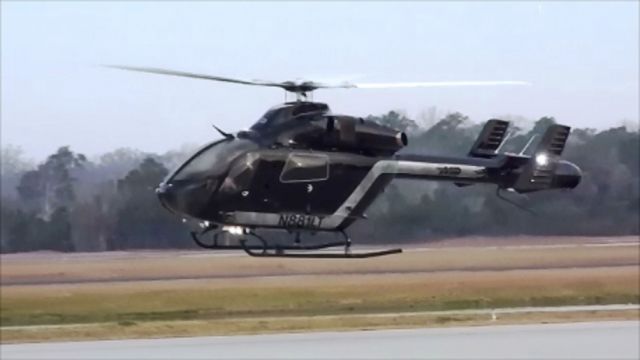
(163, 265)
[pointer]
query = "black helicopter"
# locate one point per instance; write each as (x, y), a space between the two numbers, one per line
(303, 169)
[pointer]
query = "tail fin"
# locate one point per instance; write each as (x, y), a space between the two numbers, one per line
(537, 174)
(491, 137)
(553, 140)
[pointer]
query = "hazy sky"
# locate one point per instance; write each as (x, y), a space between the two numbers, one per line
(582, 58)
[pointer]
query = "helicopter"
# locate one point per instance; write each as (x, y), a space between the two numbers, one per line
(305, 170)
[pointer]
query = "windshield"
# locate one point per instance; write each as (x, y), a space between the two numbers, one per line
(212, 160)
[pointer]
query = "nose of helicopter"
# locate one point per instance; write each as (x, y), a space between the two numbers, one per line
(185, 198)
(168, 197)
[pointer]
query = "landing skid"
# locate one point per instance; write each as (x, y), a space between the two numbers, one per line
(265, 249)
(345, 255)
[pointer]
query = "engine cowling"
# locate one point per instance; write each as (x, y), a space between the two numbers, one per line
(346, 133)
(368, 137)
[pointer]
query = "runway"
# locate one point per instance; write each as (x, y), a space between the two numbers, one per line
(595, 340)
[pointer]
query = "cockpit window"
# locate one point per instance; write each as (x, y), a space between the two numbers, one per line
(212, 160)
(305, 167)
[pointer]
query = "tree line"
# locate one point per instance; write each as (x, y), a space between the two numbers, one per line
(72, 203)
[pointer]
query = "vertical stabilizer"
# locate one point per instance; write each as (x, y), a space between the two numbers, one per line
(491, 137)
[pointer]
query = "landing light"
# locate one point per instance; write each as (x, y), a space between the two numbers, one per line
(542, 159)
(234, 230)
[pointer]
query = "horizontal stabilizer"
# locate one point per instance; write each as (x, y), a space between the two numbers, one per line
(491, 137)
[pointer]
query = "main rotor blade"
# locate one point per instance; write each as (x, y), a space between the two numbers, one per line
(430, 84)
(301, 86)
(194, 75)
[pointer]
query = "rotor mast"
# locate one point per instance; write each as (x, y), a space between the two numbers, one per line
(300, 95)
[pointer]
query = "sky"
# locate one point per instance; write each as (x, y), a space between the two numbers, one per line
(580, 57)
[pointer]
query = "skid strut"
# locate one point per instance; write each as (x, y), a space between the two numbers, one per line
(264, 245)
(215, 246)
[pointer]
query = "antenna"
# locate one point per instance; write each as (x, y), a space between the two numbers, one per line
(226, 135)
(509, 201)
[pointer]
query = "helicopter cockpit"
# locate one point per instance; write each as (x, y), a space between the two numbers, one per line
(188, 188)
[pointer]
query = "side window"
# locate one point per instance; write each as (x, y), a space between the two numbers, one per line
(305, 167)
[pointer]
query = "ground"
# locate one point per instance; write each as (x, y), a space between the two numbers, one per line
(48, 296)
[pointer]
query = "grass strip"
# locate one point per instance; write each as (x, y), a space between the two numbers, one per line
(305, 296)
(185, 328)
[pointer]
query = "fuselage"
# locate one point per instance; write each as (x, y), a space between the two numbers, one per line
(301, 175)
